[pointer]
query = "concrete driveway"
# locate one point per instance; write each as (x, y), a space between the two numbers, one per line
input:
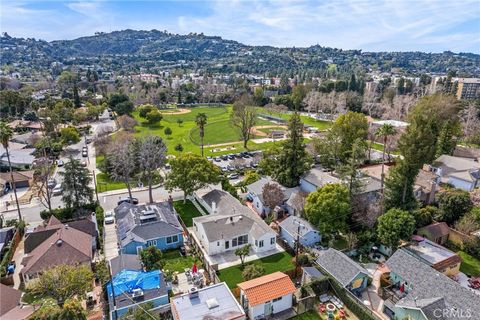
(110, 248)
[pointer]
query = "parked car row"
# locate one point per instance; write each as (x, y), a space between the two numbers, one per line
(233, 156)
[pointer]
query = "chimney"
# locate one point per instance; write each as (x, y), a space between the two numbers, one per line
(214, 207)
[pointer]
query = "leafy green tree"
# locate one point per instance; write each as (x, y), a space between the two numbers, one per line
(168, 131)
(253, 271)
(154, 116)
(346, 129)
(6, 133)
(287, 162)
(395, 225)
(179, 122)
(453, 204)
(72, 309)
(141, 313)
(349, 171)
(120, 103)
(448, 138)
(191, 172)
(123, 163)
(49, 310)
(144, 109)
(250, 177)
(424, 216)
(69, 135)
(201, 121)
(399, 187)
(242, 252)
(179, 147)
(63, 282)
(299, 92)
(151, 258)
(244, 117)
(328, 208)
(76, 184)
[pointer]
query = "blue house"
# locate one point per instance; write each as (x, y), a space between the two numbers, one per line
(344, 270)
(293, 226)
(139, 227)
(130, 289)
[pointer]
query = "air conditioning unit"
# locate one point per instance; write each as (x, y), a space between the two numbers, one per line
(137, 293)
(193, 293)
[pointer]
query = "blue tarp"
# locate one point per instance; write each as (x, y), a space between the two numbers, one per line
(127, 280)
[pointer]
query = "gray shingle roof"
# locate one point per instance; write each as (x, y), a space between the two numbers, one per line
(257, 188)
(319, 178)
(125, 261)
(129, 226)
(339, 266)
(312, 272)
(427, 283)
(292, 228)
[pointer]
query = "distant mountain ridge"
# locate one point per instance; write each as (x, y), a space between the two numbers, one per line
(131, 49)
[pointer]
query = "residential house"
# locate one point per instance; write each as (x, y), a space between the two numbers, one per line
(65, 246)
(310, 274)
(462, 173)
(21, 179)
(212, 302)
(436, 256)
(317, 178)
(11, 307)
(293, 228)
(437, 232)
(125, 262)
(255, 195)
(130, 289)
(267, 295)
(344, 270)
(21, 159)
(41, 233)
(139, 227)
(232, 226)
(419, 292)
(6, 236)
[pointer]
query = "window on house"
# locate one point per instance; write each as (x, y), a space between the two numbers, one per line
(241, 240)
(260, 244)
(172, 239)
(277, 299)
(218, 243)
(152, 243)
(256, 243)
(272, 240)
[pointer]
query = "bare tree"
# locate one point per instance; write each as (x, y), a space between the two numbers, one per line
(123, 163)
(40, 182)
(244, 117)
(127, 123)
(470, 120)
(399, 107)
(272, 195)
(151, 157)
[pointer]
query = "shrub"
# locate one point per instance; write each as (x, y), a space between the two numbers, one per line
(253, 271)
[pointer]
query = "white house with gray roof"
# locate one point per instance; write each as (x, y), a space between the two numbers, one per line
(230, 226)
(418, 291)
(462, 173)
(295, 227)
(255, 194)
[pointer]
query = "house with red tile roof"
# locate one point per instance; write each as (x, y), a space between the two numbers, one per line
(268, 295)
(65, 246)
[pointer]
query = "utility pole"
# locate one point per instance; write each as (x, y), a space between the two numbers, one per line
(95, 185)
(113, 291)
(297, 245)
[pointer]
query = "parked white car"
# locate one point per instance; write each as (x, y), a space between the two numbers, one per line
(58, 190)
(109, 219)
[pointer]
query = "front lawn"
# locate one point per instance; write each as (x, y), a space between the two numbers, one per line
(470, 265)
(174, 261)
(187, 211)
(104, 183)
(278, 262)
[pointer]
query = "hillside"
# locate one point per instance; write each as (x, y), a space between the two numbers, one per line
(155, 50)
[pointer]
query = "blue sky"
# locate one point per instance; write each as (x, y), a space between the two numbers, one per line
(370, 25)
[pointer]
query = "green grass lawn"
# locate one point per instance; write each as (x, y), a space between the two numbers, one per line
(309, 315)
(175, 262)
(340, 244)
(470, 265)
(187, 211)
(104, 183)
(277, 262)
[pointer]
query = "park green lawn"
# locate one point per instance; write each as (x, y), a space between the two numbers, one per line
(470, 265)
(187, 211)
(174, 261)
(278, 262)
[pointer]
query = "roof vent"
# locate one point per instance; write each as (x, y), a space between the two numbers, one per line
(59, 242)
(137, 293)
(193, 293)
(212, 303)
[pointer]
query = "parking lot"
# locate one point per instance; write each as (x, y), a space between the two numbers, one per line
(235, 165)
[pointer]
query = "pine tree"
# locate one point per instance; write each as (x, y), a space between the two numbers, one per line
(76, 181)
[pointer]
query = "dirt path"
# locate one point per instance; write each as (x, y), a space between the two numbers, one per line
(180, 111)
(255, 130)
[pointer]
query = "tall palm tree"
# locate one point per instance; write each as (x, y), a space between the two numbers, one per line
(385, 131)
(201, 121)
(6, 134)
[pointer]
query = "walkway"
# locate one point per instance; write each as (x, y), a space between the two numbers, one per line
(18, 257)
